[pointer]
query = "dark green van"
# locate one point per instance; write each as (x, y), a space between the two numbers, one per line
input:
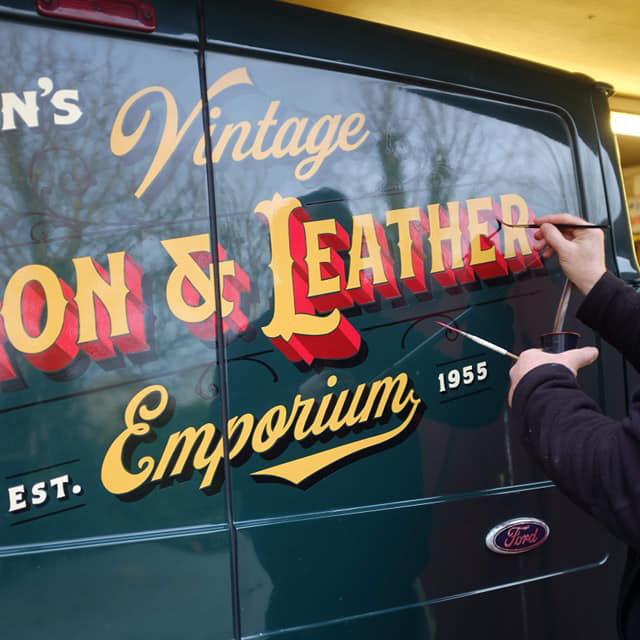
(229, 230)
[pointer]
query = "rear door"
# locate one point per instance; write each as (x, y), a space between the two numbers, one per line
(370, 449)
(101, 535)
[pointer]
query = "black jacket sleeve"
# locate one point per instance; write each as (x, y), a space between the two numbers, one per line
(594, 459)
(612, 308)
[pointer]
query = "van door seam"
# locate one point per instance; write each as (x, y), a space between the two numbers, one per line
(221, 356)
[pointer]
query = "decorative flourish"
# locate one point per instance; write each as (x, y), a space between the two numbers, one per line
(207, 390)
(451, 335)
(210, 391)
(69, 177)
(75, 175)
(41, 229)
(46, 220)
(252, 358)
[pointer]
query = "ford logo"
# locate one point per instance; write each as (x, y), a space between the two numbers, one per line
(517, 535)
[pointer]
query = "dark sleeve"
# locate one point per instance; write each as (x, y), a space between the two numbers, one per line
(594, 459)
(612, 308)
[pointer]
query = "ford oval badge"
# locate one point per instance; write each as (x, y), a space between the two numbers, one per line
(517, 535)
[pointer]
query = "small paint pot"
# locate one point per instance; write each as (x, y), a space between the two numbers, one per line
(559, 341)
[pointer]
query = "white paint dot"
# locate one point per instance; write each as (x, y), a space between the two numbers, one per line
(76, 489)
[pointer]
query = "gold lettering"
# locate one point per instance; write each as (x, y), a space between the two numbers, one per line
(515, 236)
(270, 428)
(316, 256)
(202, 448)
(286, 320)
(439, 233)
(244, 426)
(199, 158)
(364, 235)
(183, 445)
(111, 292)
(180, 250)
(50, 287)
(383, 388)
(263, 126)
(122, 143)
(355, 414)
(319, 149)
(293, 147)
(326, 134)
(319, 426)
(477, 229)
(115, 476)
(298, 471)
(244, 129)
(403, 219)
(352, 126)
(301, 428)
(337, 420)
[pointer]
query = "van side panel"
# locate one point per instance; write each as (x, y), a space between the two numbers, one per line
(228, 407)
(91, 545)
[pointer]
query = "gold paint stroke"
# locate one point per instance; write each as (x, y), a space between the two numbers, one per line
(297, 471)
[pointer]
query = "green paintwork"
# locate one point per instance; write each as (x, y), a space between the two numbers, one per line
(390, 544)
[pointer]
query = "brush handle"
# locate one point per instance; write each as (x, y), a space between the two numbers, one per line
(481, 341)
(560, 225)
(563, 305)
(491, 345)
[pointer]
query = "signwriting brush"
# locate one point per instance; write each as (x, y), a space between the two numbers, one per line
(480, 341)
(559, 225)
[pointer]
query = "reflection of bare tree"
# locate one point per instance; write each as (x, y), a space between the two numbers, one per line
(243, 236)
(424, 147)
(422, 144)
(387, 117)
(59, 185)
(440, 147)
(453, 141)
(63, 194)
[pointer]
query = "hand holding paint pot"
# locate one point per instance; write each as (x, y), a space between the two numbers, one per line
(559, 341)
(573, 359)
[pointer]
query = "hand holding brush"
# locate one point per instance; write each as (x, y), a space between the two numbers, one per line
(579, 248)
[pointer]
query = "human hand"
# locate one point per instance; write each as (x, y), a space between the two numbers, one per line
(574, 359)
(580, 251)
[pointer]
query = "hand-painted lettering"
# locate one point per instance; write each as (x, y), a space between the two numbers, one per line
(319, 270)
(317, 140)
(200, 449)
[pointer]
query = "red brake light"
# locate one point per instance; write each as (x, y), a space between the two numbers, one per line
(126, 14)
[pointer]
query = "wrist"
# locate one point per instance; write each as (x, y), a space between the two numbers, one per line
(588, 279)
